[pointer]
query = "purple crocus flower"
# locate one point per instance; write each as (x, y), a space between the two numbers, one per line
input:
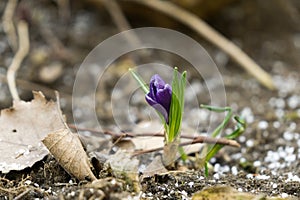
(159, 96)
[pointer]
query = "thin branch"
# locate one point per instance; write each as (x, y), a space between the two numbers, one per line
(20, 196)
(120, 20)
(64, 10)
(8, 25)
(210, 34)
(198, 139)
(18, 58)
(57, 46)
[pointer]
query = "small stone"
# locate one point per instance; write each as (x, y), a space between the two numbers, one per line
(284, 195)
(191, 184)
(250, 143)
(263, 125)
(242, 138)
(257, 163)
(262, 177)
(234, 170)
(249, 176)
(276, 124)
(51, 73)
(217, 176)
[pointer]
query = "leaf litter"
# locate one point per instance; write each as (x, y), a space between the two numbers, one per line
(22, 127)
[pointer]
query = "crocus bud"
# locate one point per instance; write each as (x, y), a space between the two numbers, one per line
(160, 96)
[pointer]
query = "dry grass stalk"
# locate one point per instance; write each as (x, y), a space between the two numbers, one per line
(18, 58)
(210, 34)
(8, 25)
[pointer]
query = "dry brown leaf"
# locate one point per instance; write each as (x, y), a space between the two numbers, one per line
(22, 127)
(68, 151)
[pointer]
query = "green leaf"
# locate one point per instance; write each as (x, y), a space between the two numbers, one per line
(177, 105)
(241, 126)
(225, 121)
(141, 82)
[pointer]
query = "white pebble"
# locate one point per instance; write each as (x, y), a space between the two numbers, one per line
(242, 138)
(217, 176)
(27, 182)
(292, 177)
(274, 165)
(276, 124)
(191, 184)
(262, 177)
(284, 195)
(250, 143)
(249, 176)
(263, 125)
(290, 158)
(242, 160)
(234, 170)
(288, 136)
(293, 101)
(289, 150)
(257, 163)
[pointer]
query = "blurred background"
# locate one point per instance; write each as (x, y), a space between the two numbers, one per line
(63, 32)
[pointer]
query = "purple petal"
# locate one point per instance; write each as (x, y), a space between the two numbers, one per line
(160, 96)
(162, 111)
(157, 81)
(150, 100)
(164, 97)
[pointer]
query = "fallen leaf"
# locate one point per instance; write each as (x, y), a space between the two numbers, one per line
(67, 149)
(22, 127)
(155, 167)
(126, 167)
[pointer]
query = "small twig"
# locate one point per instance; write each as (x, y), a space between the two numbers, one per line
(64, 10)
(19, 56)
(20, 196)
(116, 14)
(8, 25)
(55, 43)
(120, 20)
(210, 34)
(198, 139)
